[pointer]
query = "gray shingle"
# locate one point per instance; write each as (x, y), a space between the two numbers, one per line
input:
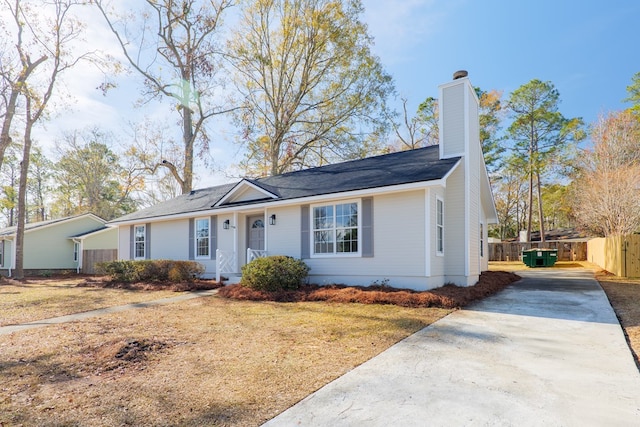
(405, 167)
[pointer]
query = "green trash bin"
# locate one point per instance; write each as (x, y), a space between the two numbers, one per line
(539, 257)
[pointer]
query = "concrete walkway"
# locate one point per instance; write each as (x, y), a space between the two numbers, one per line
(4, 330)
(547, 351)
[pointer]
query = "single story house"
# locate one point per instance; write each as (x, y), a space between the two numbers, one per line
(56, 244)
(416, 219)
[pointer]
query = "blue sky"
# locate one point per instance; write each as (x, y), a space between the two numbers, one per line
(588, 49)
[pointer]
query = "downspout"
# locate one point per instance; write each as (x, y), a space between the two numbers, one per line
(79, 261)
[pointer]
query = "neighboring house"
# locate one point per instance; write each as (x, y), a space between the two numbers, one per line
(56, 244)
(417, 218)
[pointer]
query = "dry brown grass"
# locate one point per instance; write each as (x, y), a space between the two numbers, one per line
(35, 299)
(208, 361)
(624, 296)
(519, 265)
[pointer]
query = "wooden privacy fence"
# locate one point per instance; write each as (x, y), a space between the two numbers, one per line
(619, 255)
(511, 251)
(92, 256)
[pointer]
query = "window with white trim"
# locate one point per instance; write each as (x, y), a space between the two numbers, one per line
(76, 251)
(335, 229)
(481, 240)
(139, 242)
(1, 253)
(202, 237)
(439, 226)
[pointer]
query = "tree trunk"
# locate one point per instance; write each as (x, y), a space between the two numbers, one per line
(540, 213)
(188, 139)
(530, 195)
(22, 196)
(5, 139)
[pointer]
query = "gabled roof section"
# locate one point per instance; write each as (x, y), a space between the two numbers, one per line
(195, 201)
(11, 231)
(404, 167)
(246, 191)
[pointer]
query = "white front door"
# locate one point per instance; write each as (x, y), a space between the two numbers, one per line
(256, 233)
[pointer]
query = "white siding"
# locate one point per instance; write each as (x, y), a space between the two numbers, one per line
(225, 237)
(452, 130)
(124, 244)
(284, 237)
(170, 240)
(474, 162)
(248, 194)
(484, 260)
(437, 261)
(399, 249)
(454, 226)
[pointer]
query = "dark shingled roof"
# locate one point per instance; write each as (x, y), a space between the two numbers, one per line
(403, 167)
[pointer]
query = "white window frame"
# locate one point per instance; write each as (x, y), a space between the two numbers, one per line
(2, 244)
(143, 241)
(335, 253)
(439, 226)
(76, 251)
(481, 240)
(196, 239)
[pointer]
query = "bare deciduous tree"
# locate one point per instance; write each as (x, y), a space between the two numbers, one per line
(173, 46)
(41, 33)
(607, 188)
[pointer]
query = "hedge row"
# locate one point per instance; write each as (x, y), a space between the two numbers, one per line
(129, 271)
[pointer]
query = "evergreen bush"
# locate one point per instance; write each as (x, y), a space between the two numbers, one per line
(274, 273)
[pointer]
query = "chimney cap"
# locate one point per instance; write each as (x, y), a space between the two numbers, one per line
(460, 74)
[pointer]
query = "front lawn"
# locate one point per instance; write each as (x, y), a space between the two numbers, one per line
(207, 361)
(39, 298)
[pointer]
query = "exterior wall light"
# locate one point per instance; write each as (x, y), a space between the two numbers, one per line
(272, 219)
(225, 224)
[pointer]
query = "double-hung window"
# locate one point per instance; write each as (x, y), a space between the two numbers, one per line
(139, 241)
(335, 229)
(202, 237)
(439, 226)
(76, 251)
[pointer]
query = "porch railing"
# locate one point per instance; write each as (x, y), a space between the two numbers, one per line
(254, 254)
(226, 263)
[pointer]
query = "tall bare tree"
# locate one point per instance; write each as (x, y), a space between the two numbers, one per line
(42, 32)
(174, 46)
(311, 86)
(607, 187)
(419, 130)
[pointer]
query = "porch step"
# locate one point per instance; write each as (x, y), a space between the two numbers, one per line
(231, 279)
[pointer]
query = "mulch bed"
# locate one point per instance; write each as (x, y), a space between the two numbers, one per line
(448, 296)
(195, 285)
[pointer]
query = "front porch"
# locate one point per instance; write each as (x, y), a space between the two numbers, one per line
(227, 265)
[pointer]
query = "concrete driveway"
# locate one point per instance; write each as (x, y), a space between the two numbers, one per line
(547, 351)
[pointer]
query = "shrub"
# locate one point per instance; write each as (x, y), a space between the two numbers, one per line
(274, 273)
(130, 271)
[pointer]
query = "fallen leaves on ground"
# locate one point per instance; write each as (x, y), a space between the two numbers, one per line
(448, 296)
